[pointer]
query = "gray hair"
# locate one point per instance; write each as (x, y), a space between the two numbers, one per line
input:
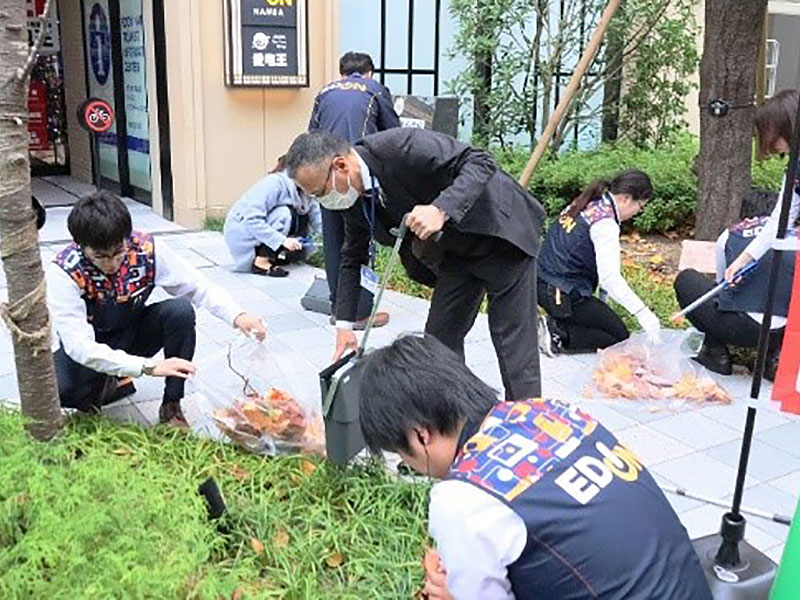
(313, 148)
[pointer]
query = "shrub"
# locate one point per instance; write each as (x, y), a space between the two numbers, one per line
(670, 166)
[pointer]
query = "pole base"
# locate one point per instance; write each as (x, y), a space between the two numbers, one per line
(750, 579)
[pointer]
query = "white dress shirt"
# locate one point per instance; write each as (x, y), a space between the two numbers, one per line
(73, 330)
(477, 537)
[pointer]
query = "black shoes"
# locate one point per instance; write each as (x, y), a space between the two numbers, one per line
(716, 359)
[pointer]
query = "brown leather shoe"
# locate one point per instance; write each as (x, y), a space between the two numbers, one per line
(381, 319)
(170, 413)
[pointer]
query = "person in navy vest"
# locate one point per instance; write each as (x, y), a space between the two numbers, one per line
(97, 292)
(581, 253)
(536, 498)
(350, 108)
(734, 316)
(270, 225)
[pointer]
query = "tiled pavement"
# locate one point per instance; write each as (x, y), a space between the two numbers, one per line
(694, 449)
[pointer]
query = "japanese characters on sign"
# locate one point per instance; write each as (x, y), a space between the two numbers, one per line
(266, 43)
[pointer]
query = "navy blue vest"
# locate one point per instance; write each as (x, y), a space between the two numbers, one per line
(750, 294)
(112, 301)
(598, 525)
(567, 260)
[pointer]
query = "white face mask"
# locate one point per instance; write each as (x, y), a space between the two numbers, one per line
(336, 200)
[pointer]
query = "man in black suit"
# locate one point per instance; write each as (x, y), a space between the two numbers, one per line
(490, 239)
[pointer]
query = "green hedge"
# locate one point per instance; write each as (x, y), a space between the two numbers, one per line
(670, 167)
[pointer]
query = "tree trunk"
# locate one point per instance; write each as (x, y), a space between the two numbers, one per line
(26, 312)
(612, 88)
(727, 72)
(482, 64)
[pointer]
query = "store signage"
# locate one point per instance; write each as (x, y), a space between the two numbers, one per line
(51, 43)
(39, 138)
(266, 43)
(96, 115)
(99, 43)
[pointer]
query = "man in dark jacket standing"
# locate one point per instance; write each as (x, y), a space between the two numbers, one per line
(350, 108)
(490, 240)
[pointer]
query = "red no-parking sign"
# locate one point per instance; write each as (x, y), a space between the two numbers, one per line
(96, 115)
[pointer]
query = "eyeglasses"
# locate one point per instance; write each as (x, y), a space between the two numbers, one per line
(106, 254)
(319, 194)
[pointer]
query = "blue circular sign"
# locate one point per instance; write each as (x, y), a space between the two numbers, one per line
(99, 43)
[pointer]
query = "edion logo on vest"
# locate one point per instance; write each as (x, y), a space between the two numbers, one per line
(588, 475)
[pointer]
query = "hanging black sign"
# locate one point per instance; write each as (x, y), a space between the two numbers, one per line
(266, 43)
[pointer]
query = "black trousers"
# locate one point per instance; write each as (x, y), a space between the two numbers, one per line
(169, 325)
(585, 324)
(332, 240)
(485, 265)
(721, 327)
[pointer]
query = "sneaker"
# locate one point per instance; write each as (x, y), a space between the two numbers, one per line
(170, 413)
(549, 341)
(715, 358)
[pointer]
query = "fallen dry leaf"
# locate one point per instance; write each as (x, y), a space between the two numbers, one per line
(121, 451)
(307, 467)
(258, 545)
(334, 561)
(239, 473)
(656, 259)
(280, 539)
(237, 594)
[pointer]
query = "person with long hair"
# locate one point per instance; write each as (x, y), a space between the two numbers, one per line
(735, 315)
(581, 253)
(536, 498)
(270, 225)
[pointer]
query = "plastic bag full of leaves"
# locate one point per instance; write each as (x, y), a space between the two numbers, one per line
(655, 369)
(256, 403)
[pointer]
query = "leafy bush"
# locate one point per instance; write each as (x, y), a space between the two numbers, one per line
(112, 512)
(670, 166)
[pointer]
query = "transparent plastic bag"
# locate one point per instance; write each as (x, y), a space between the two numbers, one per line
(655, 368)
(257, 398)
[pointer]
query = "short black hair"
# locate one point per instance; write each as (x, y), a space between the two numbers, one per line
(312, 148)
(355, 62)
(418, 381)
(100, 220)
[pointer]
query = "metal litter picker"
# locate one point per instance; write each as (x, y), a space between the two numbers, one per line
(341, 381)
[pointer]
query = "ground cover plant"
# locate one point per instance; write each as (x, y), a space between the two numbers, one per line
(110, 511)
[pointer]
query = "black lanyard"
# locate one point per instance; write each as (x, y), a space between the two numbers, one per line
(371, 220)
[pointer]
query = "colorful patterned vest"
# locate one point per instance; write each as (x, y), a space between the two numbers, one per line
(112, 301)
(750, 294)
(568, 260)
(598, 525)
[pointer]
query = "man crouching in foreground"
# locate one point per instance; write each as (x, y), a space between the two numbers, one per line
(536, 499)
(97, 291)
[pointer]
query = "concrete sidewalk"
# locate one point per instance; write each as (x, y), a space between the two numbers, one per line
(697, 449)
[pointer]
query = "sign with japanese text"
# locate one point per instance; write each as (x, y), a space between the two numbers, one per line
(266, 43)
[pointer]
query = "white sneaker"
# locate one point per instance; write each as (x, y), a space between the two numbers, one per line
(546, 345)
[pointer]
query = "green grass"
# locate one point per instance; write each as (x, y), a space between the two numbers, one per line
(108, 511)
(214, 223)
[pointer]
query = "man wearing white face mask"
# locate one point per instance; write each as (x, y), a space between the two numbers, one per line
(488, 247)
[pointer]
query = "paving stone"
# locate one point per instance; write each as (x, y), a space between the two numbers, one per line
(788, 483)
(698, 255)
(680, 504)
(700, 474)
(765, 463)
(652, 446)
(610, 418)
(786, 437)
(125, 413)
(694, 430)
(290, 322)
(734, 416)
